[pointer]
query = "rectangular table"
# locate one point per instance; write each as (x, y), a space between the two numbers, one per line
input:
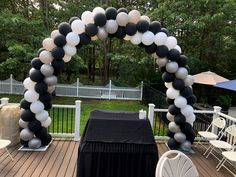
(117, 144)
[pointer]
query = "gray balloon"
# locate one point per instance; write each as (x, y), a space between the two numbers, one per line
(51, 80)
(102, 34)
(162, 62)
(186, 146)
(23, 124)
(46, 70)
(173, 127)
(35, 143)
(180, 137)
(172, 67)
(181, 73)
(26, 134)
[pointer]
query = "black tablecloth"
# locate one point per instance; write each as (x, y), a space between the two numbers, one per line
(117, 144)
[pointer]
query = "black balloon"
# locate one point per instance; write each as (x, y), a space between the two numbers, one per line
(58, 53)
(84, 39)
(24, 143)
(155, 27)
(58, 66)
(64, 28)
(162, 69)
(180, 119)
(44, 98)
(47, 105)
(173, 144)
(142, 26)
(42, 134)
(120, 32)
(122, 9)
(36, 76)
(162, 51)
(190, 136)
(188, 68)
(100, 19)
(173, 110)
(73, 19)
(178, 84)
(41, 87)
(173, 55)
(46, 140)
(35, 126)
(141, 45)
(36, 63)
(169, 101)
(91, 29)
(131, 29)
(60, 40)
(186, 128)
(27, 115)
(168, 77)
(25, 104)
(79, 46)
(186, 92)
(164, 30)
(191, 100)
(170, 134)
(40, 50)
(182, 60)
(111, 13)
(151, 48)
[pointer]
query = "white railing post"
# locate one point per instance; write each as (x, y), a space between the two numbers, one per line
(77, 120)
(109, 89)
(77, 91)
(217, 109)
(151, 112)
(11, 82)
(141, 91)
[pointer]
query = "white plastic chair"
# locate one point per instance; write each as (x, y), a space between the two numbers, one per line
(230, 134)
(208, 135)
(3, 145)
(227, 156)
(178, 166)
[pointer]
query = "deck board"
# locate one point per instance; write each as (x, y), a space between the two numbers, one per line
(61, 157)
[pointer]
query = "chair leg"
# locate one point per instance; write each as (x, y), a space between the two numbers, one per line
(8, 153)
(224, 160)
(217, 166)
(210, 152)
(207, 150)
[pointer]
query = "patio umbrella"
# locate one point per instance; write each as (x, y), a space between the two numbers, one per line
(208, 78)
(230, 85)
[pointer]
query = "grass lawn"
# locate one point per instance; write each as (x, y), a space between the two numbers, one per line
(63, 119)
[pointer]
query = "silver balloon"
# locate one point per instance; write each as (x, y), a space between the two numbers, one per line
(173, 127)
(35, 143)
(180, 137)
(111, 26)
(181, 73)
(102, 34)
(162, 62)
(189, 80)
(26, 134)
(23, 124)
(186, 146)
(172, 93)
(180, 102)
(187, 110)
(172, 67)
(47, 70)
(51, 80)
(170, 117)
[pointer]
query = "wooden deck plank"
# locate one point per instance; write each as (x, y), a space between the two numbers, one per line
(73, 162)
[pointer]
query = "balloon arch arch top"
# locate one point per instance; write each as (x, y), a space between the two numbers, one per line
(99, 24)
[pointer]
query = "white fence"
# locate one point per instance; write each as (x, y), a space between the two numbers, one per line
(77, 89)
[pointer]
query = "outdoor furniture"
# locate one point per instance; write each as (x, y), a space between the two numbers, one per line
(221, 144)
(117, 144)
(3, 145)
(179, 165)
(227, 156)
(208, 135)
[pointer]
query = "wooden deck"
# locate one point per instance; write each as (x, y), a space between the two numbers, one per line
(60, 160)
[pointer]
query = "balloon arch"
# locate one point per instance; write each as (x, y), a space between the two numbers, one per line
(100, 24)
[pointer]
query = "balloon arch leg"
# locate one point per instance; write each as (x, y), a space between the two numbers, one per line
(99, 24)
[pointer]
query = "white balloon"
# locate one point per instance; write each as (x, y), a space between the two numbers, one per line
(180, 102)
(23, 124)
(47, 70)
(122, 19)
(181, 73)
(134, 16)
(173, 127)
(111, 26)
(72, 39)
(172, 93)
(136, 39)
(36, 107)
(146, 18)
(160, 38)
(97, 10)
(78, 26)
(102, 34)
(191, 118)
(162, 62)
(171, 42)
(48, 44)
(66, 58)
(180, 137)
(187, 110)
(172, 67)
(42, 116)
(127, 37)
(47, 122)
(45, 57)
(51, 80)
(29, 84)
(189, 80)
(177, 47)
(170, 117)
(31, 96)
(87, 17)
(168, 84)
(69, 50)
(55, 33)
(148, 38)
